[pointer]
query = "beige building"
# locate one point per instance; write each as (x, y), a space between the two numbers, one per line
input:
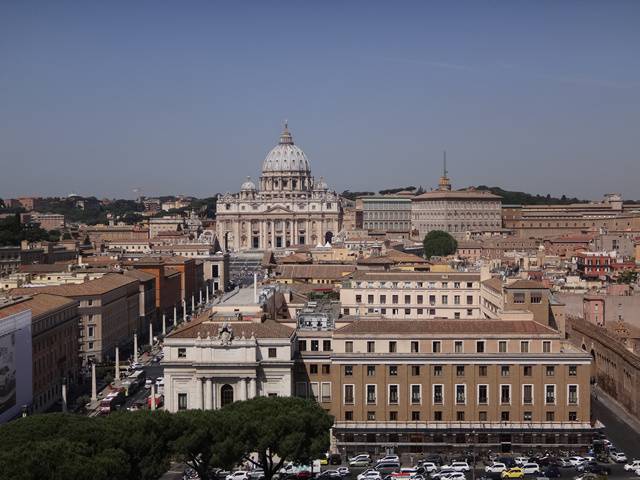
(289, 208)
(406, 294)
(459, 212)
(410, 386)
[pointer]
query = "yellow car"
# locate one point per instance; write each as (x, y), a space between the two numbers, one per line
(515, 472)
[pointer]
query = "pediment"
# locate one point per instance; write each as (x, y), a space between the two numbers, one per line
(278, 209)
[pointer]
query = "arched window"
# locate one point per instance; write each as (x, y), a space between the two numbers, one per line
(226, 395)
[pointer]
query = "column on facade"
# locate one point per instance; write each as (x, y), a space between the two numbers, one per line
(207, 395)
(214, 395)
(242, 391)
(252, 388)
(273, 234)
(246, 388)
(199, 394)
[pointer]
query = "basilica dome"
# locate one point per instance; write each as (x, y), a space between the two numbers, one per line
(248, 185)
(286, 157)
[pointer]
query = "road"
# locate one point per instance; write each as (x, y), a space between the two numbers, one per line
(617, 430)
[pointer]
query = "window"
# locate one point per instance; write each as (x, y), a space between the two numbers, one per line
(461, 394)
(90, 331)
(573, 416)
(273, 352)
(348, 370)
(483, 394)
(459, 418)
(527, 370)
(502, 346)
(518, 297)
(551, 416)
(480, 346)
(438, 394)
(456, 299)
(407, 299)
(358, 298)
(505, 394)
(459, 370)
(370, 299)
(457, 347)
(313, 369)
(348, 347)
(445, 300)
(182, 401)
(325, 391)
(383, 299)
(469, 312)
(524, 347)
(371, 347)
(504, 416)
(326, 345)
(527, 394)
(546, 346)
(469, 299)
(437, 417)
(432, 300)
(482, 371)
(527, 416)
(437, 370)
(393, 347)
(415, 370)
(302, 345)
(482, 416)
(416, 394)
(182, 353)
(348, 415)
(419, 299)
(393, 370)
(436, 347)
(572, 395)
(326, 369)
(371, 394)
(371, 370)
(393, 416)
(394, 299)
(536, 297)
(371, 415)
(573, 370)
(393, 394)
(349, 394)
(504, 371)
(550, 394)
(315, 345)
(550, 370)
(415, 347)
(415, 416)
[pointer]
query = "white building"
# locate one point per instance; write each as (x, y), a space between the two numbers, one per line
(289, 208)
(209, 364)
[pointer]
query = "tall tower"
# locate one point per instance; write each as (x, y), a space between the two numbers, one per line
(444, 184)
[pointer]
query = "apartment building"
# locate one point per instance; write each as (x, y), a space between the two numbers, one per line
(406, 294)
(412, 386)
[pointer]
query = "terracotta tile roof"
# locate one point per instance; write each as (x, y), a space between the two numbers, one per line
(327, 272)
(99, 286)
(414, 276)
(39, 304)
(266, 329)
(44, 268)
(444, 327)
(295, 258)
(525, 284)
(375, 260)
(139, 274)
(170, 271)
(494, 284)
(403, 257)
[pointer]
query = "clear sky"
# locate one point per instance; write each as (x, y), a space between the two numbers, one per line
(101, 97)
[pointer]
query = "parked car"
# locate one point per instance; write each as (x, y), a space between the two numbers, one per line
(329, 475)
(386, 468)
(442, 474)
(531, 468)
(495, 467)
(344, 471)
(362, 460)
(456, 476)
(508, 461)
(389, 458)
(618, 457)
(433, 458)
(575, 461)
(238, 475)
(564, 463)
(335, 459)
(632, 466)
(370, 475)
(515, 472)
(428, 467)
(521, 460)
(458, 466)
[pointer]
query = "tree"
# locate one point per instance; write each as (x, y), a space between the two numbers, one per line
(279, 429)
(206, 440)
(439, 244)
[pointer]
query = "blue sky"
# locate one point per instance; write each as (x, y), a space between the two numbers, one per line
(188, 97)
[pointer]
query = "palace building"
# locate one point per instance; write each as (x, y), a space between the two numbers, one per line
(289, 207)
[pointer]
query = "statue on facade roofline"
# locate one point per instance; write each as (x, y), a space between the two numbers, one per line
(225, 334)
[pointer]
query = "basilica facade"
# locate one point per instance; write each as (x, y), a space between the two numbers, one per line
(288, 207)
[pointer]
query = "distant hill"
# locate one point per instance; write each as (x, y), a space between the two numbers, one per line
(522, 198)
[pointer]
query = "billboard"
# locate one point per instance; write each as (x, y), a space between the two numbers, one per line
(16, 384)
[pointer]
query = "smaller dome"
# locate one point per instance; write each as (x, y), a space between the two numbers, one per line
(248, 185)
(321, 185)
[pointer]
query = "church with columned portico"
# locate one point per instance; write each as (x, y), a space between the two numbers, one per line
(289, 207)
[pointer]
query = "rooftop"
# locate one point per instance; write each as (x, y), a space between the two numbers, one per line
(99, 286)
(39, 304)
(206, 328)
